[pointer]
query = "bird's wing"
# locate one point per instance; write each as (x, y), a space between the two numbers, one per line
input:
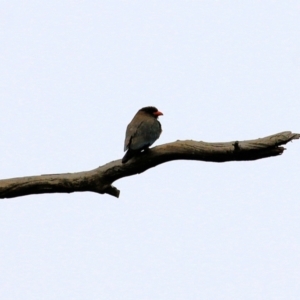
(146, 134)
(132, 129)
(142, 132)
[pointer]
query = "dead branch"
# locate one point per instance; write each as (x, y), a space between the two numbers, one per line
(100, 180)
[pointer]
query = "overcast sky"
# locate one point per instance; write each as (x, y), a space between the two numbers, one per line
(73, 74)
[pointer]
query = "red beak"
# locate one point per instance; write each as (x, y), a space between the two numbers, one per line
(158, 113)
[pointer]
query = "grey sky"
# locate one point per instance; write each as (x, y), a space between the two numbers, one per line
(73, 74)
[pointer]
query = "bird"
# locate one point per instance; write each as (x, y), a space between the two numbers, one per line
(143, 130)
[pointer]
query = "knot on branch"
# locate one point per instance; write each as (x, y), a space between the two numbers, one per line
(236, 146)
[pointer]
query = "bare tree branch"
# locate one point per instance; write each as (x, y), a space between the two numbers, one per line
(100, 180)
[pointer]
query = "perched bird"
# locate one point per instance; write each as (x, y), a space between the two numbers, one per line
(142, 131)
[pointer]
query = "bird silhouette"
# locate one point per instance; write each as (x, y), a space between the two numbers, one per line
(143, 130)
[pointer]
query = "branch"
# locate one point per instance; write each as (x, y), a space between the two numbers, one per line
(100, 180)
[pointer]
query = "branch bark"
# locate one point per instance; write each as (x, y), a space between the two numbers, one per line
(100, 179)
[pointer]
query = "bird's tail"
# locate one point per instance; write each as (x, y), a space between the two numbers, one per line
(128, 155)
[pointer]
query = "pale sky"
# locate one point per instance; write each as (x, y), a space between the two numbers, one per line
(73, 74)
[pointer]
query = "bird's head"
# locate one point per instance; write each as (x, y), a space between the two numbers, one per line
(151, 110)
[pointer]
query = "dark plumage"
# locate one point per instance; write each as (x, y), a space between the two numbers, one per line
(142, 131)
